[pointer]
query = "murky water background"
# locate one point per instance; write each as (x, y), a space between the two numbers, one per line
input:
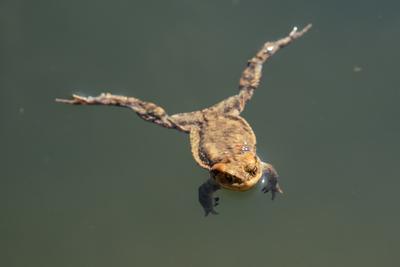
(97, 186)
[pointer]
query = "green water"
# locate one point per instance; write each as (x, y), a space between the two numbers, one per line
(97, 186)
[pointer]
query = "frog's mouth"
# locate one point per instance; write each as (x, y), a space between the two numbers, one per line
(232, 182)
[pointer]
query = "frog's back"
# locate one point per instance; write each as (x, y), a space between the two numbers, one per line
(221, 138)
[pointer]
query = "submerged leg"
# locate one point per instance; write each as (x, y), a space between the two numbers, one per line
(146, 110)
(206, 196)
(251, 76)
(272, 184)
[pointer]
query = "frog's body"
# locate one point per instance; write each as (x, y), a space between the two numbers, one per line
(227, 142)
(221, 140)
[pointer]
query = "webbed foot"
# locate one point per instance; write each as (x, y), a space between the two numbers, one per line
(272, 184)
(206, 198)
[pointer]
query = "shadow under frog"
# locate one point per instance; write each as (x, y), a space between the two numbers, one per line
(221, 140)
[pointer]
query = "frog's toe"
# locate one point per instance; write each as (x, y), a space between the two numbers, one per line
(208, 205)
(212, 211)
(216, 201)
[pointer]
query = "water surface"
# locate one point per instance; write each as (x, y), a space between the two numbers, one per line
(97, 186)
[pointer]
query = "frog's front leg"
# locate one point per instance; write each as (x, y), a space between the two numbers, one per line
(272, 184)
(206, 196)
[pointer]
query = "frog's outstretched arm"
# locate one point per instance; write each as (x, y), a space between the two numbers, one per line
(146, 110)
(206, 196)
(251, 76)
(272, 183)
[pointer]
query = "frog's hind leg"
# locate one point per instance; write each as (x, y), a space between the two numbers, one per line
(146, 110)
(188, 120)
(251, 76)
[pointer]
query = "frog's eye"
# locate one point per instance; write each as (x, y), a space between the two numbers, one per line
(229, 178)
(252, 170)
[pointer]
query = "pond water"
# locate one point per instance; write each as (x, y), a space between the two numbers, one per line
(97, 186)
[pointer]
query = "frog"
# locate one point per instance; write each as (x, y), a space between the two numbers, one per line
(221, 140)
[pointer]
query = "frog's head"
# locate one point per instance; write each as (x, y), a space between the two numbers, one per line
(239, 174)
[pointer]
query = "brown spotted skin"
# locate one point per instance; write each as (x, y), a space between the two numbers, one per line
(227, 144)
(221, 141)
